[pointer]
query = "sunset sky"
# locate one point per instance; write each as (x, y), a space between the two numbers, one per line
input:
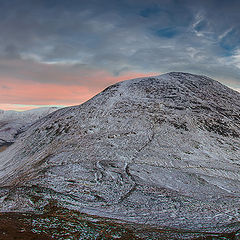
(62, 52)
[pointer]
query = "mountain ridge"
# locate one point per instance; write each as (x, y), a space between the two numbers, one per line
(12, 123)
(143, 150)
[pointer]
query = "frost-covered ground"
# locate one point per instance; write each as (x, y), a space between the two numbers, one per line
(162, 151)
(12, 122)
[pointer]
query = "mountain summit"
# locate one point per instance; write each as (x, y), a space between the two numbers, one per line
(160, 150)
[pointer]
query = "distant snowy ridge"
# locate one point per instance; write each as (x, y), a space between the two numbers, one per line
(13, 122)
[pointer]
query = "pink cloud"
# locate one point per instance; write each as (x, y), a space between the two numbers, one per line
(16, 107)
(16, 91)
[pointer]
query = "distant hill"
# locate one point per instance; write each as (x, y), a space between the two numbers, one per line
(13, 122)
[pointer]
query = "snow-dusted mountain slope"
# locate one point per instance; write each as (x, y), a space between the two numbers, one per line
(163, 150)
(13, 122)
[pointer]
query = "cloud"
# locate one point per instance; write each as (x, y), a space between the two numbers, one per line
(91, 44)
(16, 91)
(235, 58)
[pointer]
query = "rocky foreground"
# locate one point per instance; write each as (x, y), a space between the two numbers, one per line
(159, 152)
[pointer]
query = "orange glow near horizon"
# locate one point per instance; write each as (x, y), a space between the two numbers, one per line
(15, 92)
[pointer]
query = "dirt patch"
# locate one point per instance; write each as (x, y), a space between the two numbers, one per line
(59, 223)
(15, 226)
(2, 148)
(5, 146)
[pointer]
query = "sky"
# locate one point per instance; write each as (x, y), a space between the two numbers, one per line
(63, 52)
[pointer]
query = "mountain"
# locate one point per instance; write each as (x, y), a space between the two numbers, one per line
(13, 122)
(160, 151)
